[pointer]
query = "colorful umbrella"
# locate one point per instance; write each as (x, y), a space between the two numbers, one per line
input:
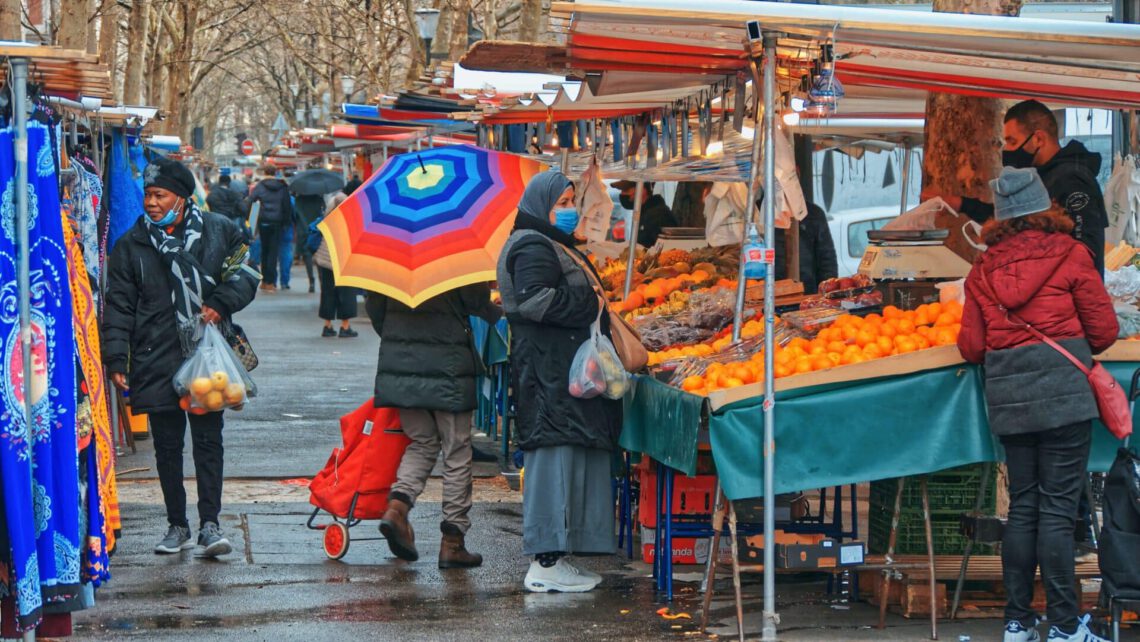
(428, 222)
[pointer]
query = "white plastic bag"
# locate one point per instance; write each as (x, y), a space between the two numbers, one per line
(213, 378)
(951, 291)
(596, 369)
(1122, 202)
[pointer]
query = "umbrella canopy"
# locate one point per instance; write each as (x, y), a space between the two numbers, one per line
(428, 222)
(316, 182)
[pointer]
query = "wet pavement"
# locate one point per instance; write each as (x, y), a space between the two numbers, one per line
(278, 584)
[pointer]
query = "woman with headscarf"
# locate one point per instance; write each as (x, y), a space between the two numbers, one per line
(567, 442)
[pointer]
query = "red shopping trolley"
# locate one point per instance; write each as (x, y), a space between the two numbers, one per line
(353, 486)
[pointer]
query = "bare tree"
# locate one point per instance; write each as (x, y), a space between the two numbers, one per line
(71, 28)
(138, 52)
(10, 11)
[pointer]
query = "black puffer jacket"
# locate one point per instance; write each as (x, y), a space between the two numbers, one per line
(225, 201)
(276, 206)
(550, 306)
(427, 355)
(817, 251)
(140, 336)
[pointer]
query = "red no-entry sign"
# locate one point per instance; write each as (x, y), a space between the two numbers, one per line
(247, 147)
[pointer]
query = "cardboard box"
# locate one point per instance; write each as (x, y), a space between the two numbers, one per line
(686, 550)
(825, 554)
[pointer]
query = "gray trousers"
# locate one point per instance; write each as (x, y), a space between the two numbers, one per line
(432, 432)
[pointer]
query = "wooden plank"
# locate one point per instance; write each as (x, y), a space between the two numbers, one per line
(44, 52)
(982, 567)
(1121, 351)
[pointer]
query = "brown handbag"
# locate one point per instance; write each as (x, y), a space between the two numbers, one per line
(627, 341)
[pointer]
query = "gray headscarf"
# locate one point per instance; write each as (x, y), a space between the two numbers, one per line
(542, 193)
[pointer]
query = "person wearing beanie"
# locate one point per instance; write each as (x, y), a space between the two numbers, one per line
(176, 267)
(1040, 405)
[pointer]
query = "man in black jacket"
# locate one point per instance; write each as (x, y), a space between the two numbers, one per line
(276, 213)
(655, 214)
(817, 251)
(427, 368)
(175, 267)
(226, 201)
(1031, 137)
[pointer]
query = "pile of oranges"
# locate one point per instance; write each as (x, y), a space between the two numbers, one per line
(658, 290)
(848, 340)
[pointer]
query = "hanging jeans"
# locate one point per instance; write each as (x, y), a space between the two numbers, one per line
(1046, 476)
(169, 432)
(270, 234)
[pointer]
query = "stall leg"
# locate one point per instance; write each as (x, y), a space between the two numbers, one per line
(627, 491)
(885, 583)
(987, 470)
(719, 511)
(659, 532)
(930, 559)
(735, 570)
(668, 543)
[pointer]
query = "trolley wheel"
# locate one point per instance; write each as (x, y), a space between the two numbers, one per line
(336, 540)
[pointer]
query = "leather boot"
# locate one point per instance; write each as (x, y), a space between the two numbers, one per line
(398, 531)
(452, 551)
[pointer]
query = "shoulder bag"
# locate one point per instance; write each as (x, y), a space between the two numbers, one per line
(1111, 401)
(627, 341)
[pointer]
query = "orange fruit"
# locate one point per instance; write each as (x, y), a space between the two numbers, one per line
(921, 341)
(838, 346)
(905, 345)
(692, 383)
(201, 386)
(873, 318)
(783, 370)
(924, 331)
(923, 318)
(817, 349)
(933, 309)
(892, 312)
(731, 382)
(234, 394)
(184, 403)
(803, 365)
(858, 357)
(945, 319)
(885, 345)
(219, 380)
(873, 351)
(835, 357)
(654, 291)
(821, 362)
(782, 357)
(945, 337)
(214, 401)
(890, 329)
(850, 332)
(863, 338)
(906, 326)
(799, 342)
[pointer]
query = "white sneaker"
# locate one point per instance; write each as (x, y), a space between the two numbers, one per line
(585, 572)
(1016, 632)
(561, 577)
(1083, 634)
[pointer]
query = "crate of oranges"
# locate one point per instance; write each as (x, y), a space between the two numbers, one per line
(911, 340)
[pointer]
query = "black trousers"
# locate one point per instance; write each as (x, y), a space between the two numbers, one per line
(169, 432)
(336, 303)
(1046, 477)
(270, 234)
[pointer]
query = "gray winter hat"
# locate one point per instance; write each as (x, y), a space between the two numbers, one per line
(1019, 192)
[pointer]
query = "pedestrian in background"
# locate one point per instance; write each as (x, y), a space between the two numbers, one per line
(309, 209)
(818, 261)
(568, 443)
(1036, 275)
(336, 302)
(427, 368)
(170, 270)
(224, 200)
(276, 213)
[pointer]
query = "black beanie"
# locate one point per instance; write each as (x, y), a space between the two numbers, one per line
(170, 175)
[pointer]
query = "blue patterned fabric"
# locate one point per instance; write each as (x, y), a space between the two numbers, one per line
(125, 186)
(40, 476)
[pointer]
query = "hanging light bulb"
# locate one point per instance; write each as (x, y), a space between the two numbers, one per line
(825, 87)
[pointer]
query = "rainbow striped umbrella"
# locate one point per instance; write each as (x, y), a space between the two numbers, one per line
(428, 222)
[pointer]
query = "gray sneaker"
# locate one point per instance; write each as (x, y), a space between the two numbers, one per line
(210, 537)
(177, 539)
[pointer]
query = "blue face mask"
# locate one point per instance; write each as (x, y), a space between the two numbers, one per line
(566, 219)
(167, 220)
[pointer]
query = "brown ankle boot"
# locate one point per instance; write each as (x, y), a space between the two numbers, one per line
(452, 551)
(398, 531)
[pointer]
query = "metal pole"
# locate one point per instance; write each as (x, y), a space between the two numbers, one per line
(23, 280)
(632, 234)
(741, 281)
(771, 619)
(905, 178)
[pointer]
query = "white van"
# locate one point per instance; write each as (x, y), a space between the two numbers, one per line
(849, 233)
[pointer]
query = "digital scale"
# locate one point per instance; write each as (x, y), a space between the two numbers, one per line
(921, 255)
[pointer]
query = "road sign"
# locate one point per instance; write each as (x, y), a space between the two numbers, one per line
(280, 125)
(247, 147)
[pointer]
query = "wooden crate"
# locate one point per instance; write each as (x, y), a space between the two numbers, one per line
(907, 597)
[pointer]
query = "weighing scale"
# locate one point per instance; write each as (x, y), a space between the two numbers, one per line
(912, 255)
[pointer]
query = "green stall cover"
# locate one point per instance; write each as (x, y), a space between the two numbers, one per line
(663, 423)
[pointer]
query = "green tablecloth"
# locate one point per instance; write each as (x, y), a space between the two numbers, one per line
(836, 434)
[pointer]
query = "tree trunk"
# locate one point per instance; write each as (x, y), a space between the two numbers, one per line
(415, 46)
(530, 20)
(179, 80)
(460, 19)
(137, 38)
(92, 31)
(72, 31)
(108, 43)
(10, 28)
(963, 133)
(441, 46)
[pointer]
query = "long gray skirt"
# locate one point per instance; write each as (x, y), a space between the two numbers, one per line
(568, 503)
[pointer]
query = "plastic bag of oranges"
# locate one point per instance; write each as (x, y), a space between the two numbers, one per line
(213, 378)
(597, 369)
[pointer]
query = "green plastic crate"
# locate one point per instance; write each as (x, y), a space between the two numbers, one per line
(952, 492)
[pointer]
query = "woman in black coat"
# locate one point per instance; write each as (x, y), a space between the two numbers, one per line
(568, 442)
(176, 266)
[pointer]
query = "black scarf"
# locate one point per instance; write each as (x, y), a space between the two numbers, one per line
(188, 281)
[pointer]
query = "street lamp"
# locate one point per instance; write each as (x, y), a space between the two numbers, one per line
(299, 113)
(347, 87)
(427, 20)
(316, 114)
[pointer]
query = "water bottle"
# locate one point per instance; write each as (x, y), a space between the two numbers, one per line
(754, 265)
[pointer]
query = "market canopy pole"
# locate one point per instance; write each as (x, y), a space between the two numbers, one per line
(905, 176)
(754, 169)
(771, 619)
(632, 234)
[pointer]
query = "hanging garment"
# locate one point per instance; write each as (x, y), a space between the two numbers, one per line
(594, 205)
(38, 463)
(86, 198)
(724, 213)
(125, 189)
(790, 201)
(1122, 202)
(103, 487)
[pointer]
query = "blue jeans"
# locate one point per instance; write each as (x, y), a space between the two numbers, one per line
(285, 256)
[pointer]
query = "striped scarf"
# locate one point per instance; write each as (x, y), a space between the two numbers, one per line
(187, 278)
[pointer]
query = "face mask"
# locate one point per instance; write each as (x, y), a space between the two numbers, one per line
(566, 219)
(168, 219)
(626, 201)
(1018, 158)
